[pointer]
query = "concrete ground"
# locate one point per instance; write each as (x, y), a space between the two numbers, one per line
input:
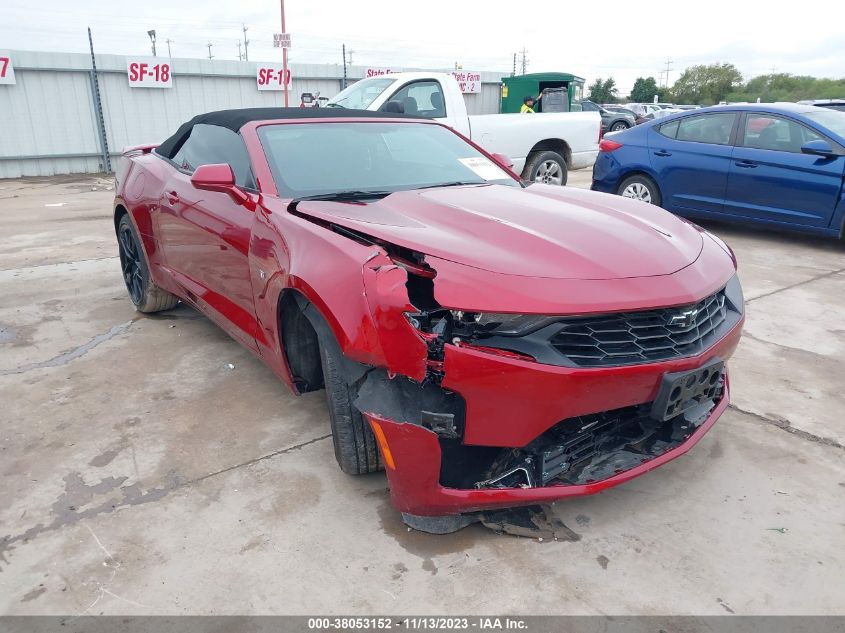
(150, 465)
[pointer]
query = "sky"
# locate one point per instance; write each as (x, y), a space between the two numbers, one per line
(622, 39)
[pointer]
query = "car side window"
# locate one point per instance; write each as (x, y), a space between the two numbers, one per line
(714, 128)
(766, 131)
(588, 106)
(422, 98)
(212, 144)
(669, 129)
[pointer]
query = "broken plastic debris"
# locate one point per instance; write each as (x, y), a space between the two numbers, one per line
(55, 204)
(230, 366)
(781, 530)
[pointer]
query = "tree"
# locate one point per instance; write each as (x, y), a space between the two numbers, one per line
(603, 91)
(786, 87)
(644, 90)
(706, 84)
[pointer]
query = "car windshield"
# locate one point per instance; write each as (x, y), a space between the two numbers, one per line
(313, 159)
(831, 119)
(360, 94)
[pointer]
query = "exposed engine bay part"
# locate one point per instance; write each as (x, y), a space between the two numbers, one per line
(536, 522)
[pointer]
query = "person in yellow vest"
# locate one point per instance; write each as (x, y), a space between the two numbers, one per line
(528, 104)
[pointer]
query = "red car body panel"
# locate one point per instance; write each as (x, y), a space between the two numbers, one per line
(545, 250)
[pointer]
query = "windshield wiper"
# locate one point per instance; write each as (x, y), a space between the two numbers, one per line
(343, 196)
(457, 183)
(334, 105)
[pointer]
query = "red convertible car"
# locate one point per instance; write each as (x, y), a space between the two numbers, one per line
(489, 344)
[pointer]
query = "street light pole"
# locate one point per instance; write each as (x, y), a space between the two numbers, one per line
(152, 34)
(284, 57)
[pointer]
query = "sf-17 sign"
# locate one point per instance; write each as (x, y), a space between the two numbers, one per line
(7, 69)
(269, 77)
(149, 73)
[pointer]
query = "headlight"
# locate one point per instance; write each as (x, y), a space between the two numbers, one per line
(503, 324)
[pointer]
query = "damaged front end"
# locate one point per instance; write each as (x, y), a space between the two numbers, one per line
(476, 411)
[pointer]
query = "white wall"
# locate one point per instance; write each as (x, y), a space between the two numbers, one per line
(48, 122)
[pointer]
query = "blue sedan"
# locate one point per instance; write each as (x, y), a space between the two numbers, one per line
(776, 164)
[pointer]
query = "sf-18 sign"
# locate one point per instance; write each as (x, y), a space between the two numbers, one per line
(149, 73)
(7, 70)
(470, 83)
(269, 77)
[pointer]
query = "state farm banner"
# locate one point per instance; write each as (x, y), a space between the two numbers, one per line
(272, 76)
(148, 72)
(470, 83)
(7, 69)
(377, 72)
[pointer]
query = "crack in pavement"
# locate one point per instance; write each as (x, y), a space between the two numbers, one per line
(800, 350)
(78, 261)
(132, 495)
(795, 285)
(785, 425)
(66, 357)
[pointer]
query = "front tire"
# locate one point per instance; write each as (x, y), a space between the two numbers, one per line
(145, 295)
(354, 443)
(640, 187)
(545, 167)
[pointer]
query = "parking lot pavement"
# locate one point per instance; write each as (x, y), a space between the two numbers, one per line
(150, 465)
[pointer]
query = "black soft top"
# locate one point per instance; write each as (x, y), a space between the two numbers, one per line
(236, 119)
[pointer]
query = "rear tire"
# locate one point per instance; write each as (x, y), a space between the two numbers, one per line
(640, 187)
(146, 296)
(545, 167)
(619, 126)
(355, 445)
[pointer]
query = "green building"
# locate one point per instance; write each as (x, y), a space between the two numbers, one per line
(514, 89)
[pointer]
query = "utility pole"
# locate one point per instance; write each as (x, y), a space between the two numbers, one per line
(513, 72)
(246, 43)
(209, 45)
(284, 56)
(343, 86)
(240, 57)
(524, 54)
(668, 68)
(346, 62)
(169, 42)
(152, 34)
(98, 102)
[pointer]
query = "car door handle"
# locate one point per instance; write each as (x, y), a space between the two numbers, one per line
(172, 197)
(745, 163)
(662, 152)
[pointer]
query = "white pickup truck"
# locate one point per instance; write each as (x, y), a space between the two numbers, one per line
(543, 147)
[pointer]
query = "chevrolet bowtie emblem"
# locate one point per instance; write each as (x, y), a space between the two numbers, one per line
(686, 318)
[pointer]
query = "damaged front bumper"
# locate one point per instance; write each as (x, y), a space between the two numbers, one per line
(532, 433)
(415, 486)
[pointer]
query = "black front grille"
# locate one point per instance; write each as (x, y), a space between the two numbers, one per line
(634, 337)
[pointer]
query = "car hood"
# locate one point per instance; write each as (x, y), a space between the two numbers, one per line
(538, 231)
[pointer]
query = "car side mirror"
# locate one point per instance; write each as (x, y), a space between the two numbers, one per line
(219, 178)
(818, 148)
(503, 160)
